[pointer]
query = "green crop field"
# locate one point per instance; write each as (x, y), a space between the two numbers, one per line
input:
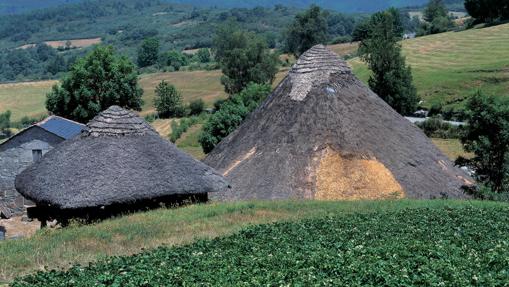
(371, 243)
(449, 67)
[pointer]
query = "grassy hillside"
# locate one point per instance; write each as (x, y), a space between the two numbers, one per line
(51, 249)
(449, 67)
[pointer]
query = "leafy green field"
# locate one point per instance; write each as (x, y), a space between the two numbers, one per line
(55, 249)
(395, 243)
(449, 67)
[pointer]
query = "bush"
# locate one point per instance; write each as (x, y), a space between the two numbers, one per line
(196, 107)
(177, 129)
(436, 128)
(5, 120)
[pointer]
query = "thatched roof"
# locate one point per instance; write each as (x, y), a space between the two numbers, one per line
(323, 134)
(121, 159)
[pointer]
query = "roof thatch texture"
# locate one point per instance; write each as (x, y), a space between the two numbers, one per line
(323, 134)
(120, 159)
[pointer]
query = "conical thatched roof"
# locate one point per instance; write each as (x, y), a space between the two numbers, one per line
(322, 134)
(121, 159)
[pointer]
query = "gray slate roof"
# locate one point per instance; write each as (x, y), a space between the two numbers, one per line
(61, 127)
(120, 159)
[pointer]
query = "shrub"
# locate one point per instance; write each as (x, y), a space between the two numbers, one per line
(436, 128)
(177, 129)
(196, 107)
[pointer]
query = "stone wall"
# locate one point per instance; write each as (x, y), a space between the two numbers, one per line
(16, 155)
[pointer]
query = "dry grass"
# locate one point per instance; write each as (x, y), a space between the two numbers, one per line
(78, 43)
(163, 127)
(341, 177)
(50, 249)
(24, 99)
(345, 49)
(452, 148)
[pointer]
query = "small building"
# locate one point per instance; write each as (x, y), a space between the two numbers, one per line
(24, 148)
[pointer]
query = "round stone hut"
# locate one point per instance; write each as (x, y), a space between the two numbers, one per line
(323, 134)
(119, 164)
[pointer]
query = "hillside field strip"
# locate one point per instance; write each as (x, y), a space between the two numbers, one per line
(449, 67)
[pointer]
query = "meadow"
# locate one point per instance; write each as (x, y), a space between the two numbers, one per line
(449, 67)
(368, 243)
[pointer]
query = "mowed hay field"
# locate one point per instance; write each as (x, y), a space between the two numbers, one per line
(449, 67)
(24, 99)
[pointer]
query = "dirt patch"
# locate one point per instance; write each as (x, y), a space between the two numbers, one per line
(16, 228)
(76, 43)
(342, 177)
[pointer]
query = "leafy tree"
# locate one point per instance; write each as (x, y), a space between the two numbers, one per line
(196, 107)
(487, 137)
(175, 59)
(97, 81)
(308, 29)
(231, 113)
(363, 30)
(434, 9)
(436, 19)
(203, 55)
(391, 79)
(148, 53)
(488, 10)
(244, 58)
(168, 102)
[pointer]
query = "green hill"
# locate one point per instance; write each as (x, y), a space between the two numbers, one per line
(449, 67)
(441, 232)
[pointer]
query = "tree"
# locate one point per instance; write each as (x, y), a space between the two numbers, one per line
(487, 137)
(97, 81)
(488, 10)
(434, 9)
(168, 102)
(230, 115)
(436, 19)
(175, 59)
(244, 58)
(391, 79)
(148, 53)
(308, 29)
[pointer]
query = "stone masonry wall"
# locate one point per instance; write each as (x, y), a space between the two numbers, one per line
(16, 155)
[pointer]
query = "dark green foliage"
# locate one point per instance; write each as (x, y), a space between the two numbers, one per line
(175, 59)
(196, 107)
(436, 19)
(177, 129)
(5, 121)
(96, 82)
(203, 55)
(5, 125)
(230, 114)
(37, 63)
(148, 53)
(244, 58)
(168, 101)
(488, 10)
(436, 128)
(448, 246)
(391, 79)
(487, 137)
(308, 29)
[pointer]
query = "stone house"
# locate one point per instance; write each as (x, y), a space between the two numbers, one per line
(24, 148)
